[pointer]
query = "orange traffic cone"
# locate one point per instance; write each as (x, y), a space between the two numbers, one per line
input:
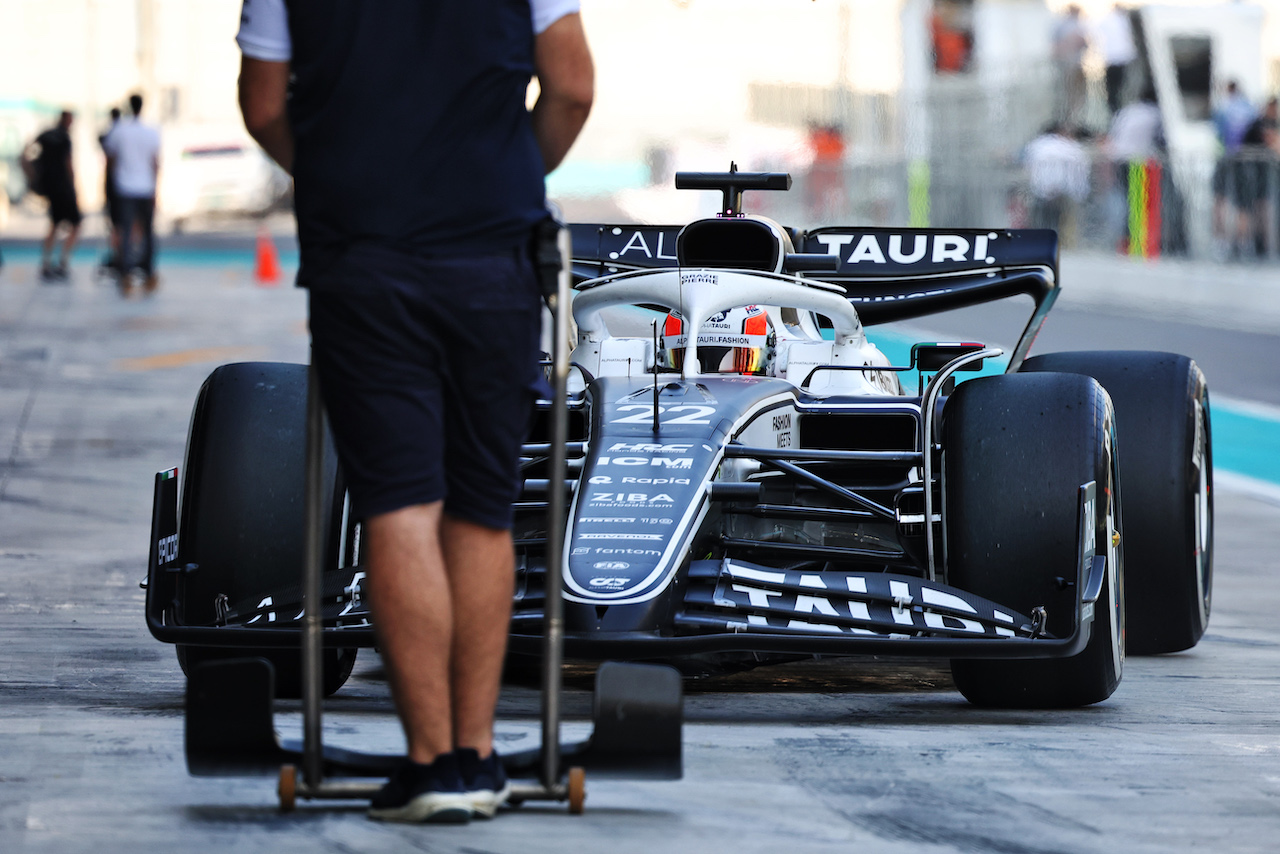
(267, 269)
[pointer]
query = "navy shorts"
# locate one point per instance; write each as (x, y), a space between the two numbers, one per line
(429, 369)
(63, 206)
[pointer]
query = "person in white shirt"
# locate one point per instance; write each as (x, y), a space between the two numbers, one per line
(1114, 39)
(1058, 176)
(1137, 131)
(133, 159)
(1136, 137)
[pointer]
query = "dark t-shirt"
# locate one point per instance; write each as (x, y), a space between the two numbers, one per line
(109, 183)
(410, 126)
(55, 153)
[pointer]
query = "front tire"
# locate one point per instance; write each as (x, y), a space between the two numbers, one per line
(1166, 454)
(1017, 448)
(242, 519)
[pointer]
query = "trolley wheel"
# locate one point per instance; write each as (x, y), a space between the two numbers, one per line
(577, 790)
(288, 787)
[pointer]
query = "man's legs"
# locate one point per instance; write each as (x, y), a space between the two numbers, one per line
(46, 250)
(440, 589)
(68, 246)
(146, 224)
(480, 563)
(64, 210)
(409, 594)
(128, 216)
(395, 375)
(113, 225)
(137, 213)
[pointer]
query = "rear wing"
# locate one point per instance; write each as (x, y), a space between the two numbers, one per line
(889, 274)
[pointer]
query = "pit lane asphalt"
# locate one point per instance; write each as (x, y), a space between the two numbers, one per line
(95, 394)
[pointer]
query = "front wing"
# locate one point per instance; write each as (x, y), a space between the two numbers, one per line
(728, 606)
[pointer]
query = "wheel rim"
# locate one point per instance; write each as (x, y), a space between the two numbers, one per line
(1202, 516)
(1115, 580)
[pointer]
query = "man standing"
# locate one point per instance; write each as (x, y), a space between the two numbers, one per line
(111, 199)
(56, 180)
(1069, 46)
(418, 181)
(1232, 120)
(1255, 172)
(1136, 136)
(133, 158)
(1058, 175)
(1115, 43)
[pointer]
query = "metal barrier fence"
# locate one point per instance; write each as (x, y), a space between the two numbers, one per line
(1186, 207)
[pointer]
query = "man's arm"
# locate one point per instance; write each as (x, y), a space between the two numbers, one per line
(264, 88)
(566, 79)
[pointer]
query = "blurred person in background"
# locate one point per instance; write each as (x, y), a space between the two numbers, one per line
(50, 174)
(1257, 169)
(1114, 37)
(112, 200)
(826, 174)
(1231, 120)
(133, 159)
(1069, 45)
(1058, 174)
(1233, 116)
(1136, 136)
(951, 30)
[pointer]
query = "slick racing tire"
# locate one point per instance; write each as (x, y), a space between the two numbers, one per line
(242, 522)
(1016, 450)
(1166, 466)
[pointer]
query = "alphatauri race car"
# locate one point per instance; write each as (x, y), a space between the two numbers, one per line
(752, 480)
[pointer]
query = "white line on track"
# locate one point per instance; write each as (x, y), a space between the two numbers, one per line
(1229, 481)
(1240, 406)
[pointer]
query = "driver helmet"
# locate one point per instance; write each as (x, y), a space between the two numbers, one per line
(737, 341)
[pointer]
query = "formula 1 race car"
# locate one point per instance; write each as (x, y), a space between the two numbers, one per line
(751, 479)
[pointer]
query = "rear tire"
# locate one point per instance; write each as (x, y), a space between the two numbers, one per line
(1166, 454)
(1017, 448)
(242, 518)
